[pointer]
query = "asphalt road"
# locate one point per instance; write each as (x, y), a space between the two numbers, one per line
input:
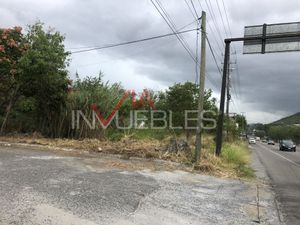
(284, 170)
(55, 188)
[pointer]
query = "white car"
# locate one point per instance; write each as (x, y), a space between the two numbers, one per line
(252, 141)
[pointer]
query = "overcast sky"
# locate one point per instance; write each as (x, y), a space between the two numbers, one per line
(265, 87)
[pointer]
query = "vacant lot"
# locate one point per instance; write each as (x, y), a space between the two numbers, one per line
(48, 187)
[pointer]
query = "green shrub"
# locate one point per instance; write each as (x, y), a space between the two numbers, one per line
(245, 171)
(236, 153)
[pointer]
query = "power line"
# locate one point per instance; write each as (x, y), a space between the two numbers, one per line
(138, 52)
(216, 41)
(185, 26)
(168, 19)
(132, 42)
(208, 76)
(227, 18)
(191, 11)
(222, 18)
(235, 105)
(213, 54)
(197, 41)
(236, 80)
(233, 86)
(238, 77)
(210, 9)
(228, 24)
(169, 23)
(172, 23)
(151, 46)
(194, 8)
(219, 52)
(197, 63)
(212, 32)
(94, 46)
(197, 47)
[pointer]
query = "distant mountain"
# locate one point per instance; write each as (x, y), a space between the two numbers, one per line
(290, 120)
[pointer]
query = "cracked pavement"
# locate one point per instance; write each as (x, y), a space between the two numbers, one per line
(53, 188)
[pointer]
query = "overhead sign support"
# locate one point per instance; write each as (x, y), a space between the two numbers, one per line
(270, 38)
(266, 38)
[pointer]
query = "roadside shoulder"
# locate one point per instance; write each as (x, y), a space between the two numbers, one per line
(267, 204)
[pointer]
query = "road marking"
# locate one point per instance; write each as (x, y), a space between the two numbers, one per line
(296, 164)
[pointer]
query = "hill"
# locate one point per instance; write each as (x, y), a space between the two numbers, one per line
(290, 120)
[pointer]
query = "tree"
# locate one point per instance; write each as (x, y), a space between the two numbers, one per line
(241, 121)
(260, 133)
(93, 90)
(181, 97)
(12, 47)
(279, 132)
(44, 75)
(34, 75)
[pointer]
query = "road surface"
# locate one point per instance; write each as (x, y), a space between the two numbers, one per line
(284, 170)
(54, 188)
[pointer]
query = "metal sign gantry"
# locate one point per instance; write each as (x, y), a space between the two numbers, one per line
(282, 37)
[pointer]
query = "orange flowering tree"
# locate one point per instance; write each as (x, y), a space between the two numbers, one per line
(34, 77)
(12, 48)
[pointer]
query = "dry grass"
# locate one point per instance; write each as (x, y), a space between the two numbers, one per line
(232, 163)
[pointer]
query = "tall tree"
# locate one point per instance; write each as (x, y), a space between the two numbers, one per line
(34, 66)
(12, 47)
(181, 97)
(44, 75)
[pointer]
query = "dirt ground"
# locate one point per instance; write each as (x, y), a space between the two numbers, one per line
(128, 148)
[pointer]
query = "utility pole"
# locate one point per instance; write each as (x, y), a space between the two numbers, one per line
(219, 134)
(228, 97)
(281, 36)
(228, 89)
(201, 88)
(244, 122)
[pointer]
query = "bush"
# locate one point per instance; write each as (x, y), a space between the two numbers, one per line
(236, 153)
(245, 171)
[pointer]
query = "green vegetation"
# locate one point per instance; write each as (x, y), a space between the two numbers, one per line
(284, 132)
(233, 162)
(260, 133)
(285, 128)
(181, 97)
(290, 120)
(35, 77)
(151, 134)
(37, 97)
(236, 154)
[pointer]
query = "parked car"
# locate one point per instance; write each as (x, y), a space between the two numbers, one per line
(257, 138)
(264, 140)
(252, 141)
(287, 145)
(271, 142)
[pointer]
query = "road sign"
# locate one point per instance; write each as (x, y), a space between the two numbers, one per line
(268, 38)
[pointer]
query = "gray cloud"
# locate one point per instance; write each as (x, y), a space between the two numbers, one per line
(267, 86)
